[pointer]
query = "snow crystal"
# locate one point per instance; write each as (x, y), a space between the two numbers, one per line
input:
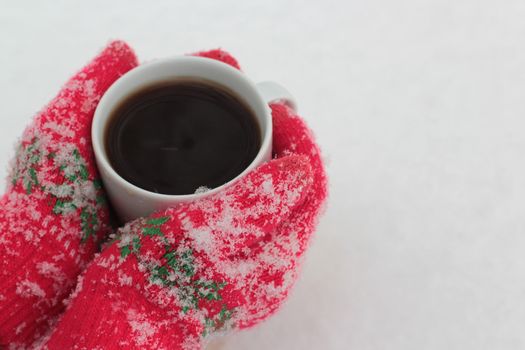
(237, 270)
(16, 346)
(201, 189)
(273, 290)
(90, 96)
(191, 342)
(267, 185)
(142, 328)
(124, 279)
(125, 239)
(203, 238)
(35, 215)
(27, 289)
(61, 191)
(20, 328)
(292, 195)
(76, 291)
(107, 262)
(19, 208)
(59, 129)
(46, 221)
(59, 257)
(50, 270)
(84, 192)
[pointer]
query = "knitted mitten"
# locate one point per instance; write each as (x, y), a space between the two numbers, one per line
(53, 214)
(226, 261)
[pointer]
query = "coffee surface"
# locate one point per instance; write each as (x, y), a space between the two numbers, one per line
(176, 137)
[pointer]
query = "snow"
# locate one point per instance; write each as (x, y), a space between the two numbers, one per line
(91, 96)
(124, 279)
(61, 129)
(28, 289)
(203, 238)
(201, 189)
(419, 106)
(51, 270)
(109, 262)
(267, 186)
(143, 330)
(78, 288)
(35, 215)
(191, 343)
(20, 328)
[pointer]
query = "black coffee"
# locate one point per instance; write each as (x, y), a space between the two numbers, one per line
(175, 137)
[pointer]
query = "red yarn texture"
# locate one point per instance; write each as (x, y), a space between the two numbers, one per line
(53, 214)
(220, 263)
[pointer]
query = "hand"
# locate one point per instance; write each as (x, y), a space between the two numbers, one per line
(227, 261)
(53, 215)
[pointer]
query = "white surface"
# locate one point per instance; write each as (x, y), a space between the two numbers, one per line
(419, 107)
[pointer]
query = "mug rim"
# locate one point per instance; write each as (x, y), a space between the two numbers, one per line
(105, 106)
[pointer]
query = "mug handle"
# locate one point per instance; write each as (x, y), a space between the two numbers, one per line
(273, 92)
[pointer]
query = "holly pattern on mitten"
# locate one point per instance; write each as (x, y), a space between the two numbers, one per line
(53, 215)
(59, 174)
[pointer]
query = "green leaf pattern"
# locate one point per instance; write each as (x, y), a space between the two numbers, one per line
(68, 193)
(178, 270)
(27, 159)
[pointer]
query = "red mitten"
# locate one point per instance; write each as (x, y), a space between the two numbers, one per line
(226, 261)
(53, 214)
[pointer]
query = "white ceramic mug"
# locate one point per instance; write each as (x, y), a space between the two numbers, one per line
(130, 201)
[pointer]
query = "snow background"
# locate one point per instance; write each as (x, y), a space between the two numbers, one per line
(419, 108)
